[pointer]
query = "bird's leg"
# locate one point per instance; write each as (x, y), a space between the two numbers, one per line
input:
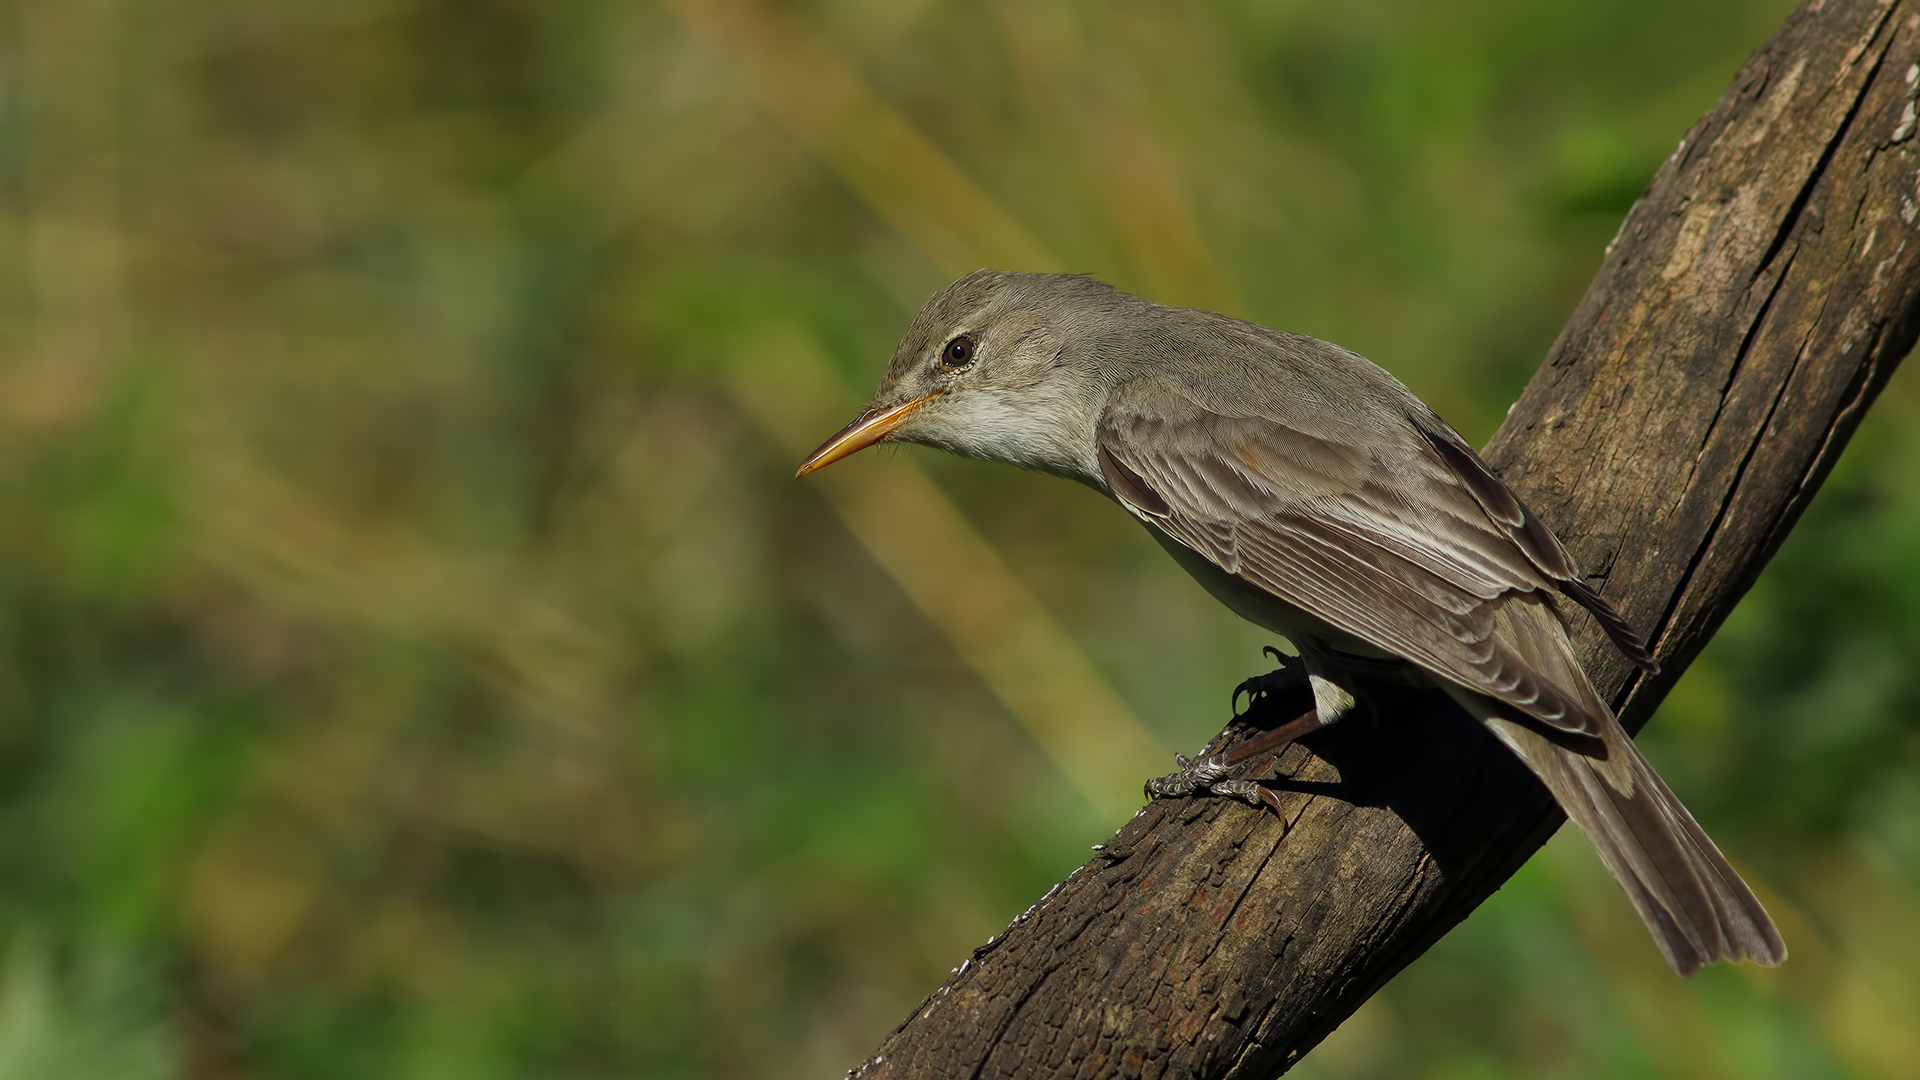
(1268, 743)
(1213, 773)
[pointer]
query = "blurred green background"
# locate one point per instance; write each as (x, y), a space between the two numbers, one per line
(416, 659)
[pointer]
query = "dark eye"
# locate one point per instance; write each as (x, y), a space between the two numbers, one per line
(958, 353)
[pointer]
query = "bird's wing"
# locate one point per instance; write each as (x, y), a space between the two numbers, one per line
(1531, 536)
(1381, 538)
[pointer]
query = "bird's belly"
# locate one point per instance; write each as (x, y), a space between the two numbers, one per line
(1262, 608)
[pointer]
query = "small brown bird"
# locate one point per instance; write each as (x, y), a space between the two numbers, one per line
(1315, 496)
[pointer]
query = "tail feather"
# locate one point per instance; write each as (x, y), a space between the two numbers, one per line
(1694, 903)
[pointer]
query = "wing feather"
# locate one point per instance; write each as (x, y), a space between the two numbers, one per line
(1533, 537)
(1387, 543)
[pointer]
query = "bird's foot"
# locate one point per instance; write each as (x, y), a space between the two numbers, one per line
(1206, 775)
(1194, 775)
(1212, 774)
(1291, 673)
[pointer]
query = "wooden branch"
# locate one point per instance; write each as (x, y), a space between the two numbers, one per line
(1755, 301)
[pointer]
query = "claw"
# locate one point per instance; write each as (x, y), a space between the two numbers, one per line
(1194, 774)
(1288, 674)
(1247, 792)
(1171, 786)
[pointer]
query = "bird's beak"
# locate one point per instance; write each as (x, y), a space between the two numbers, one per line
(868, 428)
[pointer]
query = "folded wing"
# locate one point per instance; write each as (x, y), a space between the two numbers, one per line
(1403, 541)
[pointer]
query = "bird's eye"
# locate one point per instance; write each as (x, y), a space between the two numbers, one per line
(958, 353)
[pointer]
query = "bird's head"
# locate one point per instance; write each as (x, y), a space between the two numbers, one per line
(997, 367)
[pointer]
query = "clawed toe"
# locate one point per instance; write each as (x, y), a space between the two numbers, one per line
(1209, 775)
(1291, 673)
(1249, 792)
(1195, 774)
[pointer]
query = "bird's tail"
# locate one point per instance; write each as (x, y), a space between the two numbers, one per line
(1696, 906)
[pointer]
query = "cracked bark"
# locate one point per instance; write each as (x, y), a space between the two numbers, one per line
(1754, 302)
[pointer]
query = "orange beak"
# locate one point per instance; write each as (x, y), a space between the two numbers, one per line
(868, 428)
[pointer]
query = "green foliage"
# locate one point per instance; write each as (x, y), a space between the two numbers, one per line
(98, 1017)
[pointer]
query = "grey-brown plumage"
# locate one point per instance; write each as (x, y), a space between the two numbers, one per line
(1316, 496)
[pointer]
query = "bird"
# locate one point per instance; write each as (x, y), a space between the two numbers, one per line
(1315, 496)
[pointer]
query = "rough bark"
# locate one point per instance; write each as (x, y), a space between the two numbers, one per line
(1755, 301)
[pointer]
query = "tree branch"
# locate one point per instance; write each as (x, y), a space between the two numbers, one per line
(1755, 301)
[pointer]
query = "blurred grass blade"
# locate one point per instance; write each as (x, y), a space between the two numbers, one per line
(74, 257)
(954, 576)
(1089, 76)
(98, 1019)
(946, 568)
(895, 168)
